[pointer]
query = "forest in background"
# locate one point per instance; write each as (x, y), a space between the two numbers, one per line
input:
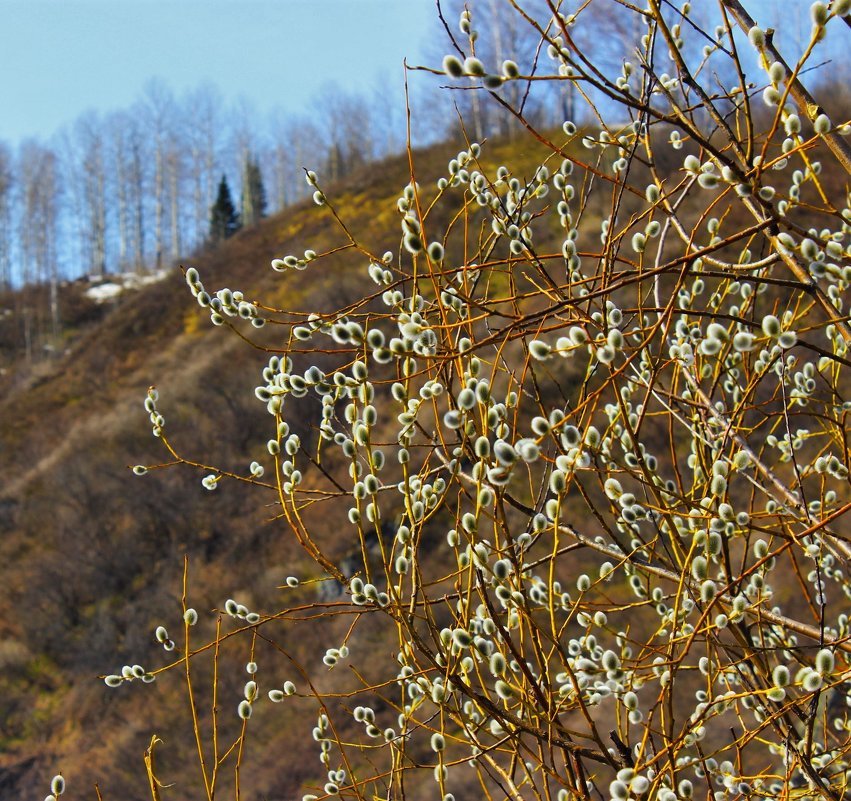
(132, 189)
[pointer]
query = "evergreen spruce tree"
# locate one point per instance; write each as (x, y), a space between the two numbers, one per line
(253, 193)
(224, 221)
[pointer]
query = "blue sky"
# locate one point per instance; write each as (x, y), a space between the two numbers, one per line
(59, 58)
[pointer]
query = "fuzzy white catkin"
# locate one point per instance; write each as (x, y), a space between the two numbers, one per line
(472, 66)
(757, 37)
(822, 124)
(510, 69)
(453, 66)
(824, 662)
(812, 681)
(770, 325)
(780, 676)
(539, 350)
(818, 13)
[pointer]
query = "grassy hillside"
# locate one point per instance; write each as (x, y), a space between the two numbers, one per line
(92, 556)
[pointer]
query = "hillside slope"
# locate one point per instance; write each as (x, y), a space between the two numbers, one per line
(92, 556)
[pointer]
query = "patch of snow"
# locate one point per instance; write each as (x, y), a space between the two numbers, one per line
(100, 293)
(104, 292)
(135, 280)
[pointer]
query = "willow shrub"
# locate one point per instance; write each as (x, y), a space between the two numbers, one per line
(597, 489)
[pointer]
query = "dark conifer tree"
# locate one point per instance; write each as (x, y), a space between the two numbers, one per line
(224, 221)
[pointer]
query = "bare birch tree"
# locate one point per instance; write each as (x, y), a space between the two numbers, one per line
(38, 172)
(6, 188)
(204, 129)
(91, 147)
(159, 106)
